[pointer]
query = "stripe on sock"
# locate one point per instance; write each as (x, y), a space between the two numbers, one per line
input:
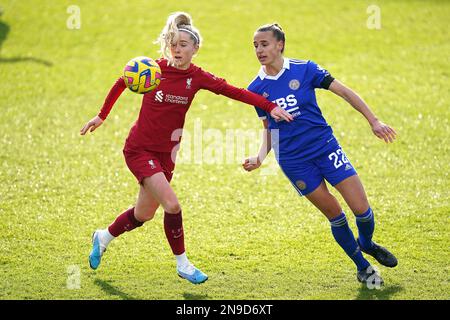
(339, 220)
(366, 216)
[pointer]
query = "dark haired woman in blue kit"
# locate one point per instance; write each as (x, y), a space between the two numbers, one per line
(307, 151)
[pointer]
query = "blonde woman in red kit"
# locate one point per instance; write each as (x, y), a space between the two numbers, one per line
(149, 149)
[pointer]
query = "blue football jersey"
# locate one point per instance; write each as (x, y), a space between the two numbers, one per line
(293, 89)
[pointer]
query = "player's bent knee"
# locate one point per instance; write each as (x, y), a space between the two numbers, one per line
(359, 207)
(172, 207)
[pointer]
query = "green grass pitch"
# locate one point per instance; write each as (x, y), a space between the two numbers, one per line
(251, 233)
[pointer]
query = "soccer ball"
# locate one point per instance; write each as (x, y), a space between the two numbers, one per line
(142, 74)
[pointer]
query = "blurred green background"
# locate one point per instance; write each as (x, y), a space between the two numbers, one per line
(251, 233)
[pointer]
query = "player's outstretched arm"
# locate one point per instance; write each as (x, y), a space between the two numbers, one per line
(220, 86)
(380, 129)
(115, 92)
(252, 163)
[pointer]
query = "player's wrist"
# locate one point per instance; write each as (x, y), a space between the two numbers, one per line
(260, 159)
(272, 107)
(373, 121)
(101, 116)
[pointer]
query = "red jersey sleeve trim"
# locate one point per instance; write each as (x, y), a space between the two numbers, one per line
(115, 92)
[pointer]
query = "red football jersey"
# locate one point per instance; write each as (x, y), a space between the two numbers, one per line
(163, 110)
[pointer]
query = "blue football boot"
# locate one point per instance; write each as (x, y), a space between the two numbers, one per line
(196, 277)
(97, 251)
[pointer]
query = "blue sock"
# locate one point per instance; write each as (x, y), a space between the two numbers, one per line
(344, 237)
(366, 226)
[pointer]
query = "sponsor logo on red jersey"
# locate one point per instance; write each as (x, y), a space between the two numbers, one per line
(170, 98)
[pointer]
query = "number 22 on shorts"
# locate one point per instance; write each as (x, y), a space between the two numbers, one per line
(338, 157)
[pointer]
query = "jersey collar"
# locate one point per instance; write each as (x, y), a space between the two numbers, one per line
(263, 75)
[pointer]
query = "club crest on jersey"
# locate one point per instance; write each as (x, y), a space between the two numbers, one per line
(265, 94)
(152, 164)
(188, 83)
(294, 84)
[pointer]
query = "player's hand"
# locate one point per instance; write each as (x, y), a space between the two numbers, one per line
(93, 124)
(383, 131)
(251, 164)
(280, 114)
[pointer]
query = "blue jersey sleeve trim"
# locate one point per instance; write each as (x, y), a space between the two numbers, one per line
(326, 82)
(316, 74)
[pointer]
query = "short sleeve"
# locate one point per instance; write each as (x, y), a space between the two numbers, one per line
(261, 113)
(320, 77)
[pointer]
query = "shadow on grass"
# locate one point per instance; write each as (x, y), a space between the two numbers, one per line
(384, 293)
(4, 30)
(190, 296)
(113, 291)
(25, 59)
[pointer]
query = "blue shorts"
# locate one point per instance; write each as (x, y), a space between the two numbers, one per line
(306, 176)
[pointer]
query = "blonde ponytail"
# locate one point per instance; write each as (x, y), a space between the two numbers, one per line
(175, 22)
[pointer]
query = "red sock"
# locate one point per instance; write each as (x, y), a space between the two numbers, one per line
(173, 227)
(125, 222)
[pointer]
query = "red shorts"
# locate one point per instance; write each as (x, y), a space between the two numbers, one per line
(146, 163)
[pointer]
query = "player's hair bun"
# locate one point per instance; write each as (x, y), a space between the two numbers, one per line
(175, 22)
(182, 19)
(278, 26)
